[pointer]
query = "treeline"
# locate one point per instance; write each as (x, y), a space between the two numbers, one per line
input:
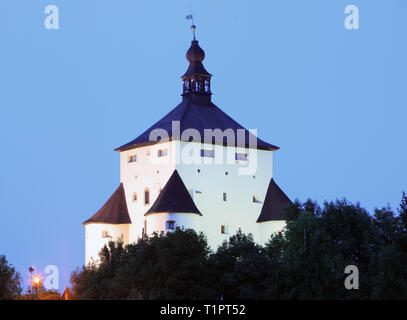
(306, 261)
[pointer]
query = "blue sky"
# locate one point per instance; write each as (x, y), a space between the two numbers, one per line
(333, 99)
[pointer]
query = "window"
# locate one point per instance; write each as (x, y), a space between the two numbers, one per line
(206, 85)
(207, 153)
(144, 231)
(224, 229)
(146, 196)
(132, 158)
(162, 152)
(170, 225)
(256, 199)
(241, 156)
(224, 196)
(148, 153)
(134, 197)
(105, 234)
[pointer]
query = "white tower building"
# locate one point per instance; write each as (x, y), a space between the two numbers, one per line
(195, 168)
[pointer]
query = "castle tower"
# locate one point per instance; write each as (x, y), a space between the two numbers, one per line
(195, 168)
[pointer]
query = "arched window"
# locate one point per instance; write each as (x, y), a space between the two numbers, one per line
(134, 196)
(146, 196)
(206, 85)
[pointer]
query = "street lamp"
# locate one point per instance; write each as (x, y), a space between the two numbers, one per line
(31, 269)
(37, 281)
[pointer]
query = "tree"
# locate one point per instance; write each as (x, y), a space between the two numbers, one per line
(242, 268)
(164, 266)
(390, 281)
(403, 211)
(10, 280)
(316, 246)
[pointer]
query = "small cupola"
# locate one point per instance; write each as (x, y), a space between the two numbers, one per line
(196, 79)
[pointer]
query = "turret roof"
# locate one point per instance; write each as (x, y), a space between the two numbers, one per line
(114, 211)
(274, 203)
(174, 198)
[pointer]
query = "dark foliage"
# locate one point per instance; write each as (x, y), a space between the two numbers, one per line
(171, 266)
(306, 261)
(10, 280)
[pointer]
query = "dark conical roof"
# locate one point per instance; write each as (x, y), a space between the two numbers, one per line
(196, 116)
(274, 203)
(114, 211)
(174, 198)
(67, 295)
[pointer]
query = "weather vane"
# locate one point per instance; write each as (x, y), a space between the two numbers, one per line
(193, 27)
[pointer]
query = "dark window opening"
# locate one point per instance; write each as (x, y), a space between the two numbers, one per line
(170, 225)
(147, 196)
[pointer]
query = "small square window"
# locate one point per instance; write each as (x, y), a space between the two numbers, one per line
(132, 158)
(241, 156)
(170, 225)
(105, 234)
(162, 152)
(207, 153)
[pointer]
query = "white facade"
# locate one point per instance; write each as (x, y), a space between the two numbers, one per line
(99, 234)
(220, 192)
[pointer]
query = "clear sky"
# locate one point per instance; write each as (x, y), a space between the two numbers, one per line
(334, 101)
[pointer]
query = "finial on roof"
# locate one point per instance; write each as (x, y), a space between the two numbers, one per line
(193, 26)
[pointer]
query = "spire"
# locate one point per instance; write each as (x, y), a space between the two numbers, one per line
(196, 79)
(193, 26)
